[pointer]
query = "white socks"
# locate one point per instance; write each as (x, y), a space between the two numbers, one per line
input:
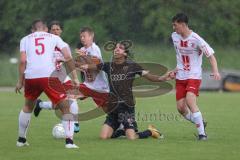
(189, 117)
(68, 125)
(45, 105)
(74, 109)
(198, 120)
(24, 120)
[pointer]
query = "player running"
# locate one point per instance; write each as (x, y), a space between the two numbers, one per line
(190, 48)
(35, 69)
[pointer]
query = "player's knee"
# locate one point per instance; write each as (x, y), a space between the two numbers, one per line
(27, 109)
(131, 135)
(103, 137)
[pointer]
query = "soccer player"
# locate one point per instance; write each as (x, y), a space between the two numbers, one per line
(56, 29)
(121, 74)
(95, 83)
(35, 69)
(190, 48)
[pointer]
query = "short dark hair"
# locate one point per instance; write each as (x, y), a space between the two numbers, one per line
(87, 29)
(38, 24)
(180, 17)
(55, 22)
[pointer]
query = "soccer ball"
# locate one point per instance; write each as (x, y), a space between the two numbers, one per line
(58, 131)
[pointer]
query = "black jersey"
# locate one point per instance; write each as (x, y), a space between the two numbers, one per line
(120, 78)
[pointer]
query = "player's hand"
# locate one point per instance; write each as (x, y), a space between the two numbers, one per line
(18, 87)
(81, 52)
(216, 76)
(172, 74)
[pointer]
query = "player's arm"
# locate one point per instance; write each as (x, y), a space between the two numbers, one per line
(70, 64)
(213, 63)
(21, 69)
(89, 67)
(155, 78)
(209, 53)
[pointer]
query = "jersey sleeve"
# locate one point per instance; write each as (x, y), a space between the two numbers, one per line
(205, 47)
(23, 45)
(60, 43)
(138, 69)
(96, 52)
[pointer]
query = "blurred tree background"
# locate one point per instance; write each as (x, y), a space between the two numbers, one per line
(144, 22)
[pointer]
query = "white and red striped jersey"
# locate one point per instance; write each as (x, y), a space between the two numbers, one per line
(100, 83)
(39, 48)
(189, 53)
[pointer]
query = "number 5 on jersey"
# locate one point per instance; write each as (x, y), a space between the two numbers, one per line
(40, 49)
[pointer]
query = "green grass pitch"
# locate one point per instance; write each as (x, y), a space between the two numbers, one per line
(221, 110)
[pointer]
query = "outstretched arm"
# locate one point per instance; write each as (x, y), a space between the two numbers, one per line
(155, 78)
(213, 63)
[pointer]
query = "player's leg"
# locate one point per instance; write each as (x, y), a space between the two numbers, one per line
(49, 105)
(184, 110)
(24, 121)
(126, 116)
(110, 125)
(191, 100)
(181, 92)
(67, 122)
(31, 91)
(56, 93)
(106, 132)
(42, 105)
(120, 131)
(131, 133)
(74, 110)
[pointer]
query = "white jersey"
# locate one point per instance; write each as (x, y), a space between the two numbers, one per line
(39, 48)
(189, 53)
(100, 83)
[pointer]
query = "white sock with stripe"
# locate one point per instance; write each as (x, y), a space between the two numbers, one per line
(198, 120)
(68, 125)
(23, 123)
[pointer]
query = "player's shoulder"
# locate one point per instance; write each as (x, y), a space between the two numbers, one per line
(95, 47)
(175, 35)
(196, 36)
(131, 62)
(23, 38)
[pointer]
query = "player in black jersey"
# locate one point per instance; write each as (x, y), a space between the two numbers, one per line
(121, 107)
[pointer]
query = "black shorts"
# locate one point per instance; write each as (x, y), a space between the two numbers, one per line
(123, 114)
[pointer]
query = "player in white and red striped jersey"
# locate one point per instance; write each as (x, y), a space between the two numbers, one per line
(95, 83)
(35, 73)
(190, 48)
(56, 29)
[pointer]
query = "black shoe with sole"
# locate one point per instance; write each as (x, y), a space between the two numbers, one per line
(202, 137)
(37, 108)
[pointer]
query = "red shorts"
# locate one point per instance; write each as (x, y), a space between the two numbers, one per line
(52, 87)
(184, 86)
(99, 98)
